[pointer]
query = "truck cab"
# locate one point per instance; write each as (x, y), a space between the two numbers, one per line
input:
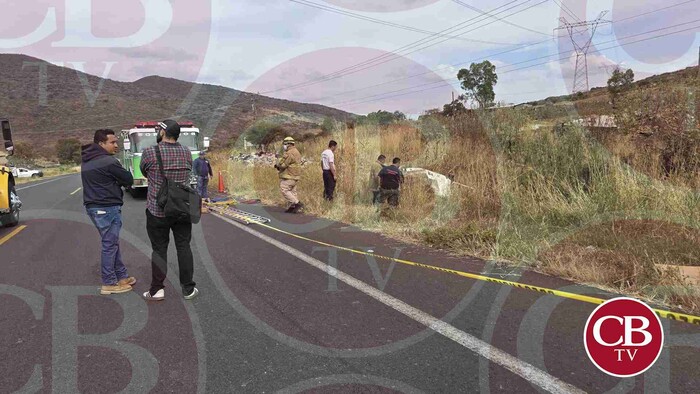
(142, 136)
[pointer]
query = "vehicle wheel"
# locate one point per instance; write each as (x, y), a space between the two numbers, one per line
(12, 218)
(35, 176)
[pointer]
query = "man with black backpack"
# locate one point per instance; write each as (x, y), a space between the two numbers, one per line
(167, 176)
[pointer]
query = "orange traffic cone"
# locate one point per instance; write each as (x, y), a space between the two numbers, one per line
(221, 183)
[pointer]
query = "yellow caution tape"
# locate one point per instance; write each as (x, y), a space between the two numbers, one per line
(573, 296)
(220, 203)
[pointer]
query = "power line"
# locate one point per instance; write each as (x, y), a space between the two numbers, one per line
(497, 18)
(561, 58)
(338, 73)
(653, 11)
(444, 83)
(393, 55)
(387, 23)
(566, 9)
(439, 69)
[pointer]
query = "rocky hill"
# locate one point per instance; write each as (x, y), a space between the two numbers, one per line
(68, 103)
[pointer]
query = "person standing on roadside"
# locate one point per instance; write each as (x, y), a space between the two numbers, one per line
(202, 168)
(374, 181)
(103, 177)
(177, 166)
(289, 168)
(329, 172)
(391, 179)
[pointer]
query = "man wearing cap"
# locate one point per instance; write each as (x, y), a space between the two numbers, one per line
(289, 167)
(177, 166)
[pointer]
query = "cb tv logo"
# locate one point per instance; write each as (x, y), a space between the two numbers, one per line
(623, 337)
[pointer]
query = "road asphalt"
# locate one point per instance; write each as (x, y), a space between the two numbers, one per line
(281, 314)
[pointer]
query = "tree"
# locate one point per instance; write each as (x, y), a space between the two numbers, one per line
(383, 118)
(478, 82)
(453, 108)
(68, 151)
(264, 133)
(619, 82)
(399, 116)
(328, 125)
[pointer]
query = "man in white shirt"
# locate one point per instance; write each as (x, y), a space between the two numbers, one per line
(329, 174)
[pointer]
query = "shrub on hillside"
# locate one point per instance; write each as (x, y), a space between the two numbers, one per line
(328, 125)
(432, 129)
(68, 151)
(25, 151)
(264, 133)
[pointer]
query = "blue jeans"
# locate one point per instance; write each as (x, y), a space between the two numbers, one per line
(109, 222)
(202, 184)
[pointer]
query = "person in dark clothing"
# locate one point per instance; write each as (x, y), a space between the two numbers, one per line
(202, 168)
(103, 177)
(390, 180)
(177, 165)
(374, 178)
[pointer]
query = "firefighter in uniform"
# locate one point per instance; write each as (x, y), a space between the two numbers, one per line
(289, 167)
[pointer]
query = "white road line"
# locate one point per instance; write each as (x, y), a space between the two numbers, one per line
(483, 349)
(43, 183)
(76, 190)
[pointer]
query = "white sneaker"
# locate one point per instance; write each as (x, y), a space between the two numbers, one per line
(192, 295)
(159, 296)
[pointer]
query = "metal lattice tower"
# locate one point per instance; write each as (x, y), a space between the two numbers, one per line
(581, 47)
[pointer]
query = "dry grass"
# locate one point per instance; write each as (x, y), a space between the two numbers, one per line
(623, 256)
(565, 204)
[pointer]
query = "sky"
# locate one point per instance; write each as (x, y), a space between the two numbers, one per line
(357, 55)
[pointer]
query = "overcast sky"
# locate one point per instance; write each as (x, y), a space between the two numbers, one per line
(289, 50)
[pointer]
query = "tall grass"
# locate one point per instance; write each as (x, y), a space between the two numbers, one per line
(529, 196)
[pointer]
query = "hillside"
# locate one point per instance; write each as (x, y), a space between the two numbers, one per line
(68, 105)
(597, 100)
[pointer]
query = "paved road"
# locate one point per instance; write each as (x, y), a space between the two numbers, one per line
(270, 319)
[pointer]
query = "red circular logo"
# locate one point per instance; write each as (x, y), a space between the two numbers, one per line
(623, 337)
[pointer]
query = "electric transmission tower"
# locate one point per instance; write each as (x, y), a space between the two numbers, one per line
(581, 46)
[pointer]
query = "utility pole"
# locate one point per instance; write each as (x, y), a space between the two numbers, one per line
(255, 114)
(581, 47)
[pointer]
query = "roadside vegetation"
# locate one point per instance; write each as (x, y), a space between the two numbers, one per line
(607, 207)
(67, 151)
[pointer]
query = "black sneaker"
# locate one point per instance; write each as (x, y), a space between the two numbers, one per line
(192, 295)
(291, 208)
(298, 207)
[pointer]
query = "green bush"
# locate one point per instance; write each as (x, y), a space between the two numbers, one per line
(264, 132)
(68, 151)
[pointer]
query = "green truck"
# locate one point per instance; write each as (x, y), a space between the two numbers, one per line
(142, 136)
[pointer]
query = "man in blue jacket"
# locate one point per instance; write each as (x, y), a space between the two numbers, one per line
(202, 169)
(103, 177)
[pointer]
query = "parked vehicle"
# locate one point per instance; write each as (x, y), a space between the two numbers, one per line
(142, 136)
(20, 172)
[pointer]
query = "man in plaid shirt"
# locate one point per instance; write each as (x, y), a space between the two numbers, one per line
(177, 163)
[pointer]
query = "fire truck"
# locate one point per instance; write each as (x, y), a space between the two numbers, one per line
(9, 200)
(142, 136)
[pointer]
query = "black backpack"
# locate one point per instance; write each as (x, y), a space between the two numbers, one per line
(178, 200)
